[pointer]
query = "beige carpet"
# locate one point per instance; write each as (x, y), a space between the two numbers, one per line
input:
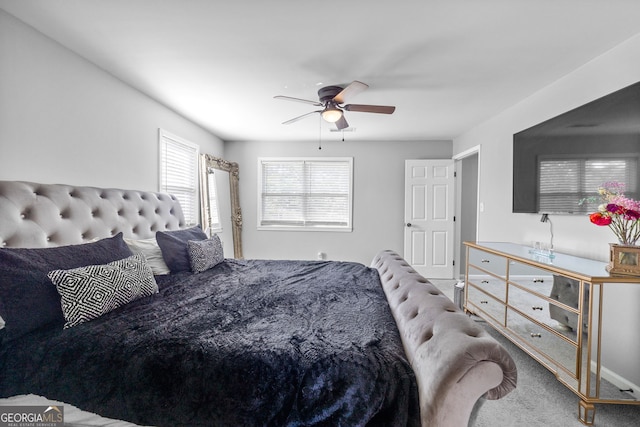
(541, 400)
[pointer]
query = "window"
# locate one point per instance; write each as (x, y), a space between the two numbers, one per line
(179, 173)
(566, 181)
(305, 193)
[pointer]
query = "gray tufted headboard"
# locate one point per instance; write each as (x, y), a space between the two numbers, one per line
(40, 215)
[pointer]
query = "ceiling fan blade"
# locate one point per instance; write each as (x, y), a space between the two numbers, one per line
(350, 91)
(381, 109)
(306, 101)
(295, 119)
(342, 123)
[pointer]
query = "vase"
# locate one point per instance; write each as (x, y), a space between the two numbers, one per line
(624, 260)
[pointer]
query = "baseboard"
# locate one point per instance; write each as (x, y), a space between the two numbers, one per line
(620, 382)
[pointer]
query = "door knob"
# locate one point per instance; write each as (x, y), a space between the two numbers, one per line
(408, 224)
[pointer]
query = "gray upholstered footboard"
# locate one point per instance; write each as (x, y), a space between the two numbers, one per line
(456, 362)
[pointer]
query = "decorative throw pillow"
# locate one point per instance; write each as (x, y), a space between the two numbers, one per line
(91, 291)
(151, 251)
(28, 299)
(173, 245)
(205, 254)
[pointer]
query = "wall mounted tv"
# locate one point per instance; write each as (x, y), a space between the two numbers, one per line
(565, 159)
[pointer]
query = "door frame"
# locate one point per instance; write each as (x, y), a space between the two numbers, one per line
(460, 217)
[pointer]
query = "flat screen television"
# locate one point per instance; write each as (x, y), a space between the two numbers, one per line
(565, 159)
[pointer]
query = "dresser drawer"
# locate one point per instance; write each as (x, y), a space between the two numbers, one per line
(478, 300)
(536, 279)
(541, 310)
(490, 284)
(560, 351)
(487, 261)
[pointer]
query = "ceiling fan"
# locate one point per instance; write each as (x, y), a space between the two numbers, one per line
(332, 100)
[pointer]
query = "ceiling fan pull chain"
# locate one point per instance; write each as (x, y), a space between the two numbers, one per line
(320, 133)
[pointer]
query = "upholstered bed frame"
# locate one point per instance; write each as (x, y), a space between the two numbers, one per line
(456, 362)
(458, 365)
(40, 215)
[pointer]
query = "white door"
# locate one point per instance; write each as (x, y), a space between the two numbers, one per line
(428, 216)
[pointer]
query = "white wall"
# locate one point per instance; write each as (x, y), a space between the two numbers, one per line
(378, 198)
(574, 234)
(63, 120)
(618, 68)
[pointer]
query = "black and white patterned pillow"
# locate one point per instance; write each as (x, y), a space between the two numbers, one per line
(91, 291)
(205, 254)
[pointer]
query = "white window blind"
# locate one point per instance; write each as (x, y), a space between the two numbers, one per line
(179, 173)
(563, 182)
(305, 193)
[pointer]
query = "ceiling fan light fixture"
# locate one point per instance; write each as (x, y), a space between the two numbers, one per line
(332, 114)
(333, 100)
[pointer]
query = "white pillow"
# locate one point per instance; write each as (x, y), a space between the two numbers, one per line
(151, 251)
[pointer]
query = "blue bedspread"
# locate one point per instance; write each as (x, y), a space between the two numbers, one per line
(247, 343)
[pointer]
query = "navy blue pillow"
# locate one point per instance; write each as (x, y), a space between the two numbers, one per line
(28, 299)
(173, 245)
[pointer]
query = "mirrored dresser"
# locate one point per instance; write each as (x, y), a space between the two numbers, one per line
(566, 312)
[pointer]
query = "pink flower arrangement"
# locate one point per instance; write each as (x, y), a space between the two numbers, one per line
(621, 214)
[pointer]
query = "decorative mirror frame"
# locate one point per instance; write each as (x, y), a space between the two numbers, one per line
(208, 161)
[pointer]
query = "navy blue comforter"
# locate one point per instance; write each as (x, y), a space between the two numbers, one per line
(247, 343)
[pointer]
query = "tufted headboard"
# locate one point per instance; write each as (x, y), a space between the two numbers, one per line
(40, 215)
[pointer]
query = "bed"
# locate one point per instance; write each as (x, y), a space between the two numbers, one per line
(113, 305)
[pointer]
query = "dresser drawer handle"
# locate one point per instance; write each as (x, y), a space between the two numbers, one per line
(484, 302)
(486, 261)
(538, 280)
(484, 281)
(534, 308)
(536, 335)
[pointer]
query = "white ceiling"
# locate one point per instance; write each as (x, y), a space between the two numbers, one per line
(447, 65)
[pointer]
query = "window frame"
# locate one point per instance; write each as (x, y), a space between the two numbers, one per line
(165, 138)
(305, 227)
